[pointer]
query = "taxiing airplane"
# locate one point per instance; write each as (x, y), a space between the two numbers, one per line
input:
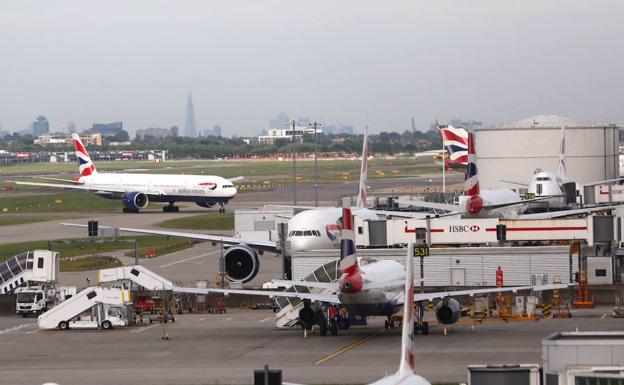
(137, 190)
(369, 287)
(314, 228)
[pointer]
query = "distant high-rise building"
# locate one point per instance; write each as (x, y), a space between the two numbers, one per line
(175, 131)
(413, 124)
(216, 130)
(280, 121)
(190, 127)
(70, 127)
(40, 126)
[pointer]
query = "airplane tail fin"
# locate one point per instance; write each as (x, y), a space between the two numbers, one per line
(561, 171)
(471, 182)
(407, 366)
(348, 259)
(85, 165)
(455, 143)
(361, 198)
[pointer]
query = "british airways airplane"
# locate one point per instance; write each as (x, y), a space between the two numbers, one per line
(137, 190)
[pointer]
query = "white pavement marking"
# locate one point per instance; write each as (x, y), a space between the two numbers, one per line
(228, 319)
(201, 319)
(266, 319)
(190, 258)
(11, 329)
(144, 328)
(32, 331)
(603, 316)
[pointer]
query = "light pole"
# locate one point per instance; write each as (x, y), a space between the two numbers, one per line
(294, 156)
(316, 183)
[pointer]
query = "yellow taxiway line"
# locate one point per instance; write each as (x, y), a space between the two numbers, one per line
(347, 348)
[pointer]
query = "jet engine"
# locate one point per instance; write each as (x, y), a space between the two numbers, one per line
(241, 263)
(135, 201)
(205, 204)
(448, 311)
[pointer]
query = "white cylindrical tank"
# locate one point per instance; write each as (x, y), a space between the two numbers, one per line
(513, 151)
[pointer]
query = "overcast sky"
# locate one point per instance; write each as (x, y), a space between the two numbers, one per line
(363, 62)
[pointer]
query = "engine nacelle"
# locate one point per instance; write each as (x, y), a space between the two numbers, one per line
(135, 200)
(448, 311)
(205, 204)
(241, 263)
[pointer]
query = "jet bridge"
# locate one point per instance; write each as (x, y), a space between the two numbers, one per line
(39, 266)
(80, 303)
(137, 274)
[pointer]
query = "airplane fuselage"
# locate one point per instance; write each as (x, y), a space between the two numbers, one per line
(382, 289)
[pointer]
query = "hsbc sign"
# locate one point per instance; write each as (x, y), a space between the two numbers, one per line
(463, 228)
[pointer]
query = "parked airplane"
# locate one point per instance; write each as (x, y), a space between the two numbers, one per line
(556, 187)
(495, 203)
(137, 190)
(369, 287)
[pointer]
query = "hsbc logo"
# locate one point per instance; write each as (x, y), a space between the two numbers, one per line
(464, 229)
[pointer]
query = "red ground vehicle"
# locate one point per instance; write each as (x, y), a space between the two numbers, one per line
(144, 305)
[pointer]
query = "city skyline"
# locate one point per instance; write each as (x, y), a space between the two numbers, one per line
(361, 62)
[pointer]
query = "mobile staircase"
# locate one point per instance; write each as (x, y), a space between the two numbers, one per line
(61, 315)
(137, 274)
(288, 315)
(39, 266)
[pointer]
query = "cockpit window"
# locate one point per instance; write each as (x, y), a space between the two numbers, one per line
(307, 233)
(228, 186)
(304, 233)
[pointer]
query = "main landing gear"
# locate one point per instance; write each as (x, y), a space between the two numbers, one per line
(170, 208)
(221, 208)
(419, 324)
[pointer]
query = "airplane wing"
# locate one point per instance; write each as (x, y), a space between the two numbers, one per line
(318, 285)
(259, 245)
(515, 183)
(236, 179)
(57, 179)
(68, 186)
(606, 181)
(418, 297)
(413, 215)
(431, 205)
(564, 213)
(521, 202)
(332, 298)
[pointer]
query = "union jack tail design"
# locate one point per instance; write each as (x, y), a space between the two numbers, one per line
(471, 183)
(348, 259)
(455, 143)
(407, 366)
(561, 172)
(361, 198)
(85, 165)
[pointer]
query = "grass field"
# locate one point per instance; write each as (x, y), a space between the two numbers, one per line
(61, 202)
(209, 221)
(156, 242)
(89, 263)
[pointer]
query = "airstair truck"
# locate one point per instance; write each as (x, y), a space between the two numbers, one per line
(106, 306)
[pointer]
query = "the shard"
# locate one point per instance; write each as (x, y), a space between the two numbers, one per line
(190, 127)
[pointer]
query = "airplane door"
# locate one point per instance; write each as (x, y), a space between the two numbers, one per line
(458, 277)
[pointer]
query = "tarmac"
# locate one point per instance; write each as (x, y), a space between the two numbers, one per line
(225, 348)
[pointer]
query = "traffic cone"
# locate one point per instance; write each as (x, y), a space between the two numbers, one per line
(577, 329)
(445, 332)
(472, 328)
(305, 333)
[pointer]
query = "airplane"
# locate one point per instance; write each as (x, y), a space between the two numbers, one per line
(137, 190)
(555, 186)
(369, 287)
(495, 203)
(314, 228)
(406, 375)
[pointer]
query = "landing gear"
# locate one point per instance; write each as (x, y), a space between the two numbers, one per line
(171, 208)
(221, 208)
(389, 324)
(419, 324)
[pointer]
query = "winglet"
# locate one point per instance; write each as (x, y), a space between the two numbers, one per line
(85, 165)
(361, 198)
(407, 366)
